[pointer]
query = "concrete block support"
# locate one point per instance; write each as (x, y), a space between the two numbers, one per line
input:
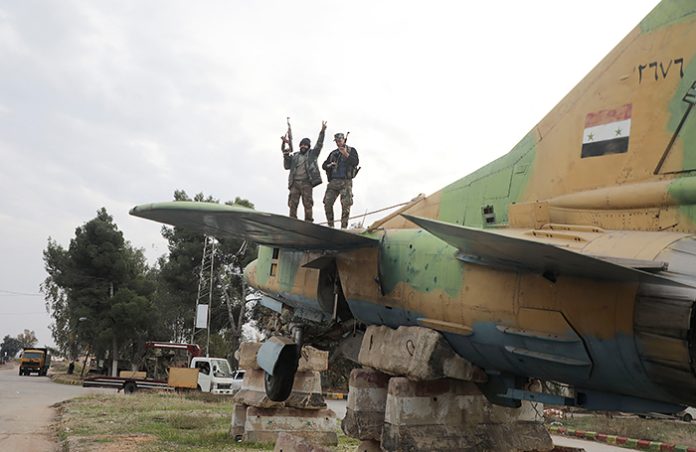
(414, 352)
(253, 392)
(369, 445)
(367, 399)
(291, 443)
(311, 359)
(247, 355)
(264, 424)
(238, 421)
(303, 418)
(449, 415)
(306, 391)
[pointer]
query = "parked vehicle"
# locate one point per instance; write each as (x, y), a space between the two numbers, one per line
(34, 360)
(238, 379)
(175, 366)
(216, 376)
(687, 415)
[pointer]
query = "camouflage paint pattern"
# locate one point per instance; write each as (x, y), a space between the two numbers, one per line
(616, 205)
(424, 260)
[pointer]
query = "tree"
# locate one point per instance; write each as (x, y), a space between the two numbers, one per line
(233, 291)
(98, 291)
(10, 347)
(27, 339)
(179, 277)
(55, 289)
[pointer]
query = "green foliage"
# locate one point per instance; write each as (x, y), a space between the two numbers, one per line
(179, 279)
(56, 265)
(27, 339)
(218, 345)
(98, 290)
(10, 347)
(241, 202)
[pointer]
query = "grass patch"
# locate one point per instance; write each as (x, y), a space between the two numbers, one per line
(346, 443)
(676, 432)
(188, 422)
(155, 422)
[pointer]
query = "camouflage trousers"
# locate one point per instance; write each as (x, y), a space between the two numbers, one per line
(344, 188)
(301, 189)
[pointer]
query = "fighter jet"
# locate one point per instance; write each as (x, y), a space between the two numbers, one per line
(572, 258)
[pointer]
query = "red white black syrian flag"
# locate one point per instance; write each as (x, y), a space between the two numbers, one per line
(606, 132)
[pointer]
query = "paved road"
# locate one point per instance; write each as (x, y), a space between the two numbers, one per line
(25, 410)
(338, 407)
(589, 446)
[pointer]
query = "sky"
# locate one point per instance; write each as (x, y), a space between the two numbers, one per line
(114, 104)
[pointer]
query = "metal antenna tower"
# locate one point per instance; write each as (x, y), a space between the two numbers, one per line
(205, 291)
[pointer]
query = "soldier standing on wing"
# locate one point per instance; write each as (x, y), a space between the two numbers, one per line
(304, 172)
(340, 169)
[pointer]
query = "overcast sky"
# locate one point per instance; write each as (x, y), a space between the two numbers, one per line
(113, 104)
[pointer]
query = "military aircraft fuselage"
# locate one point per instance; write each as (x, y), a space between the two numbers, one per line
(600, 336)
(571, 258)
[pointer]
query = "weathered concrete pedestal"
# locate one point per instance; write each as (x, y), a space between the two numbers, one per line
(438, 407)
(264, 424)
(453, 415)
(367, 399)
(257, 418)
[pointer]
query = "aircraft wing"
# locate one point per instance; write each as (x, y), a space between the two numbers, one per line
(489, 248)
(220, 220)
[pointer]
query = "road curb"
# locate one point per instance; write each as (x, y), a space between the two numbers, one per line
(58, 379)
(621, 441)
(335, 395)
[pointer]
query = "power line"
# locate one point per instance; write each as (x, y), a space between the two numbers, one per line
(9, 293)
(22, 313)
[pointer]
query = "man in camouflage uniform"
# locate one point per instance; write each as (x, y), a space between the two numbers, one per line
(340, 169)
(304, 173)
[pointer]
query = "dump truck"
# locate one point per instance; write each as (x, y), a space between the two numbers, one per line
(34, 360)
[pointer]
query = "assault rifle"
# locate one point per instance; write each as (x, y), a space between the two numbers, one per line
(355, 170)
(287, 139)
(334, 162)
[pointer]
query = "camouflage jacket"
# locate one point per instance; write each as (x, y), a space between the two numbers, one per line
(337, 163)
(290, 161)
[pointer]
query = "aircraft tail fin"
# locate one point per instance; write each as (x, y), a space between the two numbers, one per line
(629, 122)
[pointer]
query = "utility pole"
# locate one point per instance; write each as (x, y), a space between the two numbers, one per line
(210, 300)
(204, 299)
(114, 345)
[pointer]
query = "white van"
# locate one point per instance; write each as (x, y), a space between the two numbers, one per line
(216, 376)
